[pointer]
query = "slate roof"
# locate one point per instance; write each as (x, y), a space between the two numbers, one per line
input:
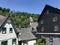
(2, 19)
(26, 34)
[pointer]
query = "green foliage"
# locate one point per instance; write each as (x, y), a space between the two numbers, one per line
(18, 18)
(41, 41)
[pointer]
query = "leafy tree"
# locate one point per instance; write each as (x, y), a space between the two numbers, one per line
(41, 41)
(18, 17)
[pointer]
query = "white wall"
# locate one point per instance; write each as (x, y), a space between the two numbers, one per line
(32, 42)
(56, 41)
(8, 36)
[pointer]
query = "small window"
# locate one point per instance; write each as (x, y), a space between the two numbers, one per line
(14, 42)
(56, 28)
(42, 28)
(3, 30)
(11, 30)
(41, 21)
(55, 19)
(51, 39)
(0, 31)
(47, 11)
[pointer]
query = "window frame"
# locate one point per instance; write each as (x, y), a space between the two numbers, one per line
(4, 42)
(55, 19)
(50, 38)
(11, 30)
(4, 29)
(42, 29)
(56, 28)
(13, 41)
(42, 21)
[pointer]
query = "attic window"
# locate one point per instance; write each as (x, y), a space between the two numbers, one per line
(56, 28)
(42, 22)
(42, 28)
(47, 11)
(3, 30)
(11, 30)
(55, 19)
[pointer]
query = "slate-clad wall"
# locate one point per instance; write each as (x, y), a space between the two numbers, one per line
(48, 23)
(56, 40)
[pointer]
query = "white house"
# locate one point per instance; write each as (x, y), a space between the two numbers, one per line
(22, 36)
(7, 32)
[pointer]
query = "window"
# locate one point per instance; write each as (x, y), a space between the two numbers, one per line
(55, 19)
(11, 30)
(3, 30)
(51, 38)
(47, 11)
(42, 28)
(14, 42)
(56, 28)
(42, 22)
(0, 31)
(4, 43)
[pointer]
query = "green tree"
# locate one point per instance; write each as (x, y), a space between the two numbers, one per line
(41, 41)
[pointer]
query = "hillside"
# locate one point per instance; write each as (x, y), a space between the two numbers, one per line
(18, 18)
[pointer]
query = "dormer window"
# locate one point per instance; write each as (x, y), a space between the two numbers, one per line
(11, 30)
(55, 19)
(56, 28)
(42, 28)
(3, 30)
(42, 21)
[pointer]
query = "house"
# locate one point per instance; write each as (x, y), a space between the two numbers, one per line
(7, 32)
(49, 25)
(26, 36)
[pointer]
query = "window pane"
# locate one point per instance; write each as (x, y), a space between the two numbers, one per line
(4, 43)
(47, 11)
(42, 28)
(11, 30)
(56, 28)
(55, 19)
(41, 21)
(14, 42)
(3, 30)
(51, 38)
